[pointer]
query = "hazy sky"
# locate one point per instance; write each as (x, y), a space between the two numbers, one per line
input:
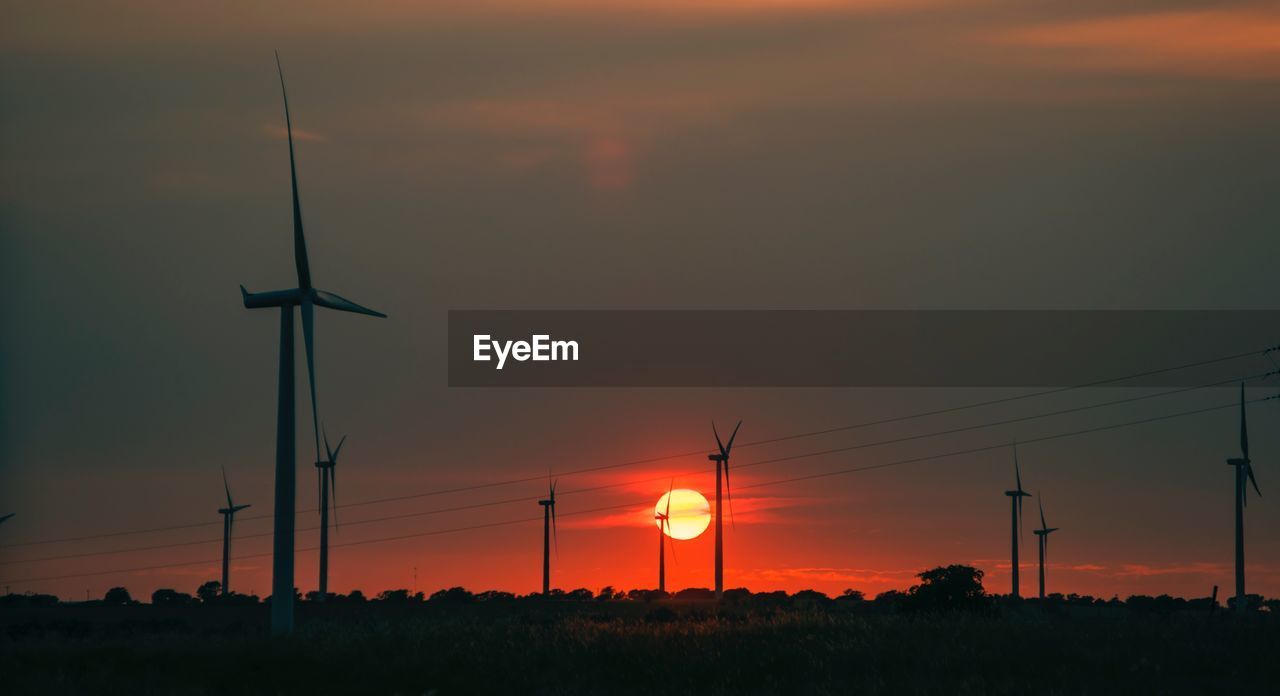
(640, 154)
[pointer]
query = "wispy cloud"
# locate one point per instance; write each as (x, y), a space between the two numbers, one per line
(281, 133)
(1241, 42)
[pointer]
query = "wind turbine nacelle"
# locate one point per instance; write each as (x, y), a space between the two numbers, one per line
(715, 458)
(273, 298)
(1236, 461)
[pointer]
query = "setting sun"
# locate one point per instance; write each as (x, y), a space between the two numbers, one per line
(690, 513)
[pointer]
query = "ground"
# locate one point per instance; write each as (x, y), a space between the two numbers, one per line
(632, 647)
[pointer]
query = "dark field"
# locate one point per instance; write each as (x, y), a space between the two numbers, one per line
(631, 648)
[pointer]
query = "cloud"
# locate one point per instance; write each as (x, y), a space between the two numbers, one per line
(281, 133)
(1226, 43)
(852, 576)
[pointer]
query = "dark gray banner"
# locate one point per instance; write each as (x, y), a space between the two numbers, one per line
(666, 348)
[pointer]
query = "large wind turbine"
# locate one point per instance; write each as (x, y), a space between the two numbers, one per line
(1015, 498)
(1043, 536)
(548, 530)
(306, 297)
(228, 518)
(721, 459)
(328, 490)
(664, 527)
(1244, 476)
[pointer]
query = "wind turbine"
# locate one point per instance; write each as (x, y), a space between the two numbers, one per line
(228, 518)
(1043, 534)
(664, 527)
(1015, 498)
(1244, 476)
(721, 459)
(328, 489)
(306, 297)
(548, 530)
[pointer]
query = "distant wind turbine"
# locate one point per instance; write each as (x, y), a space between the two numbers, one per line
(721, 459)
(548, 530)
(306, 298)
(1244, 476)
(664, 527)
(228, 518)
(1015, 498)
(1043, 534)
(328, 490)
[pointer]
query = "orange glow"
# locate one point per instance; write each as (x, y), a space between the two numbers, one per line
(690, 514)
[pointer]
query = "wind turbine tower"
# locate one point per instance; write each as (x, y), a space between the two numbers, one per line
(548, 530)
(1015, 508)
(306, 298)
(1244, 477)
(721, 458)
(1042, 535)
(228, 518)
(328, 491)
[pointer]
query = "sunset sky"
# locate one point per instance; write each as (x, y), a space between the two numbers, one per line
(547, 154)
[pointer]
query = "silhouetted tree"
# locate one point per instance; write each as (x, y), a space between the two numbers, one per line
(737, 595)
(581, 594)
(209, 592)
(850, 595)
(356, 597)
(494, 595)
(117, 595)
(697, 593)
(1252, 602)
(607, 593)
(453, 594)
(171, 598)
(949, 588)
(810, 598)
(28, 599)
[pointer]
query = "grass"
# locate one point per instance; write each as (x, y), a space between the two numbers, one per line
(631, 648)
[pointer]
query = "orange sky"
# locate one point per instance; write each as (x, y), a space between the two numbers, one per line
(615, 155)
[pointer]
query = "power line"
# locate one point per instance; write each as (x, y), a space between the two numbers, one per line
(650, 460)
(826, 474)
(806, 455)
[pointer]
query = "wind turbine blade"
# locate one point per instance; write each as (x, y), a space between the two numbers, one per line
(1017, 471)
(670, 488)
(227, 486)
(342, 304)
(1244, 428)
(5, 517)
(333, 493)
(672, 539)
(1254, 481)
(320, 488)
(731, 438)
(334, 457)
(324, 432)
(308, 334)
(728, 492)
(555, 538)
(299, 240)
(1040, 502)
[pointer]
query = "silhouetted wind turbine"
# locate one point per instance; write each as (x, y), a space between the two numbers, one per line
(664, 526)
(1043, 534)
(721, 459)
(228, 518)
(548, 530)
(306, 298)
(1244, 476)
(1015, 498)
(328, 490)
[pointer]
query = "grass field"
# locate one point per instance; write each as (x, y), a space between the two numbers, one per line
(631, 648)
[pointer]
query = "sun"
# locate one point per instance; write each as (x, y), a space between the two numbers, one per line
(690, 513)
